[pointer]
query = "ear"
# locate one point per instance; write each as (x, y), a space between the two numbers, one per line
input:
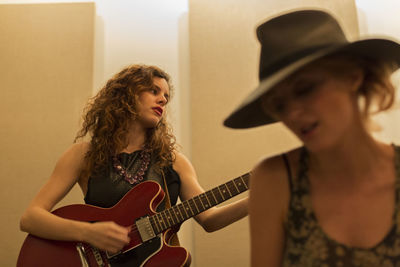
(356, 79)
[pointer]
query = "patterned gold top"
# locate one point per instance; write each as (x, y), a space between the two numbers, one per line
(307, 245)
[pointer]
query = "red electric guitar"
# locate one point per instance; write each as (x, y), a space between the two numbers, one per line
(150, 231)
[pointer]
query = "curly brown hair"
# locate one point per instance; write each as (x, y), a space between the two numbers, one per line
(108, 114)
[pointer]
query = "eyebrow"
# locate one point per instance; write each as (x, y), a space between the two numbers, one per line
(167, 95)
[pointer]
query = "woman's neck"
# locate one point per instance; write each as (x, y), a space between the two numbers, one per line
(136, 138)
(354, 156)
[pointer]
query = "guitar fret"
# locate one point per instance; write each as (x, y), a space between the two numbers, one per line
(244, 183)
(218, 194)
(194, 202)
(201, 202)
(238, 184)
(176, 213)
(157, 224)
(208, 201)
(182, 212)
(238, 191)
(154, 224)
(231, 188)
(161, 221)
(225, 195)
(170, 217)
(188, 206)
(186, 209)
(165, 219)
(212, 192)
(227, 188)
(221, 193)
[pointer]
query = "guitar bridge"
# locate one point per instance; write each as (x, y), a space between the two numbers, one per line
(145, 229)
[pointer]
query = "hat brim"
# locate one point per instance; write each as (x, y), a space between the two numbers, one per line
(250, 114)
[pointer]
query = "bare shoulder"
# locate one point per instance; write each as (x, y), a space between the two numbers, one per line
(270, 182)
(79, 148)
(269, 172)
(74, 154)
(268, 209)
(275, 167)
(73, 159)
(181, 162)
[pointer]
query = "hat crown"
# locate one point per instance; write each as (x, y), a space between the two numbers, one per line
(289, 37)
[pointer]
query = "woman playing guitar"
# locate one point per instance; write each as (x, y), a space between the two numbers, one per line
(129, 142)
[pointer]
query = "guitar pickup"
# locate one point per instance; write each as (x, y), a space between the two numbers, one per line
(145, 229)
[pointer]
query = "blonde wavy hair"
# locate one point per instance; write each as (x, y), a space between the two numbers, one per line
(108, 114)
(376, 90)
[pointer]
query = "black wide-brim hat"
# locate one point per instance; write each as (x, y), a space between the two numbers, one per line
(290, 42)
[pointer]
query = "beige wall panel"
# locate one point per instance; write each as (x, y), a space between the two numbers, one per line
(224, 68)
(46, 53)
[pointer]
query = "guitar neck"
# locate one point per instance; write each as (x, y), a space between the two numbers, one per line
(176, 215)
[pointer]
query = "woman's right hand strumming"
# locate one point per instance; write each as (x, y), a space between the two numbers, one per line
(107, 236)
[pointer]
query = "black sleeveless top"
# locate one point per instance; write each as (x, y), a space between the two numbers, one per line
(306, 243)
(106, 188)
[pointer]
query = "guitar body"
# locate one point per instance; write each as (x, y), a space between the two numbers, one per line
(136, 209)
(140, 201)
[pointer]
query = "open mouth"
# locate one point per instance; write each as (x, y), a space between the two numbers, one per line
(158, 110)
(307, 130)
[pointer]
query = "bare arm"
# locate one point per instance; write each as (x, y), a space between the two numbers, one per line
(38, 219)
(269, 198)
(214, 218)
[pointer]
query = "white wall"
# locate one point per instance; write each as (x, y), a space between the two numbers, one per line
(381, 18)
(141, 31)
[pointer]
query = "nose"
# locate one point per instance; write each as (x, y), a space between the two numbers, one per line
(162, 100)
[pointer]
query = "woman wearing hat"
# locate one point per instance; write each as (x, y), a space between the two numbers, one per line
(335, 201)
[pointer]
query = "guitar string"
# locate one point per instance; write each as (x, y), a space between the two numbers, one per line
(134, 229)
(210, 193)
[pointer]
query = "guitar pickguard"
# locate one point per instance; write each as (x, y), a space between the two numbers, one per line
(137, 256)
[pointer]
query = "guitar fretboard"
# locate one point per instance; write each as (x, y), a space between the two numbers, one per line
(166, 219)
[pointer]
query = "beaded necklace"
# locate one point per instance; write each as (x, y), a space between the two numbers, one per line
(138, 177)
